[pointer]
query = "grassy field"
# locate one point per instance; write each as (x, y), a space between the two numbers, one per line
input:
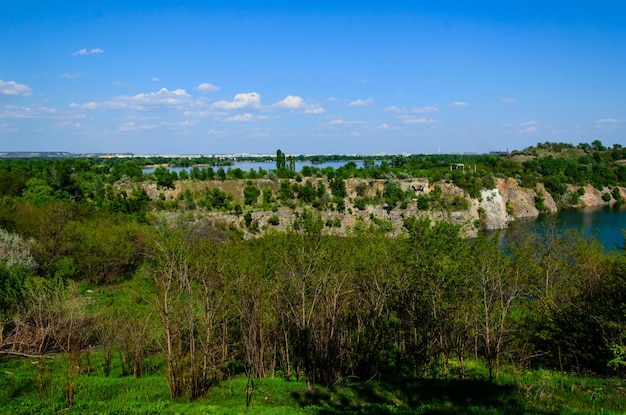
(29, 386)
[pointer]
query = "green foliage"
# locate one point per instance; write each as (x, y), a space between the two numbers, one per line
(273, 220)
(360, 188)
(306, 193)
(338, 187)
(393, 193)
(164, 177)
(250, 193)
(540, 202)
(509, 208)
(216, 199)
(281, 161)
(267, 196)
(285, 193)
(333, 223)
(360, 203)
(422, 202)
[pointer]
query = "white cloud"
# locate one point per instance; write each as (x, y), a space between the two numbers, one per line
(179, 124)
(8, 128)
(207, 87)
(528, 127)
(383, 127)
(84, 51)
(15, 112)
(292, 102)
(361, 81)
(337, 122)
(414, 120)
(296, 103)
(117, 83)
(161, 99)
(154, 79)
(607, 121)
(361, 102)
(332, 99)
(70, 75)
(395, 110)
(528, 130)
(509, 100)
(458, 104)
(245, 118)
(131, 126)
(528, 123)
(202, 114)
(69, 124)
(12, 88)
(314, 109)
(213, 131)
(430, 108)
(241, 101)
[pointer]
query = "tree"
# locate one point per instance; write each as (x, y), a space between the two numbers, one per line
(597, 145)
(281, 160)
(164, 177)
(191, 302)
(435, 277)
(497, 290)
(250, 193)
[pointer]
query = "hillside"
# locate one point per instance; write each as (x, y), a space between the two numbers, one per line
(494, 208)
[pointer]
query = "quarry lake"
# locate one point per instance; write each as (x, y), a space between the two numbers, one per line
(605, 222)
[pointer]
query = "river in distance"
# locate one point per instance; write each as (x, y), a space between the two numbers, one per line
(267, 166)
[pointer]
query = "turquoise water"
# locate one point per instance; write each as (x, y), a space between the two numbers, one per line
(605, 222)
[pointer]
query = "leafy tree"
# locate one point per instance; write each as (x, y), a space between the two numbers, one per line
(285, 192)
(250, 193)
(281, 160)
(164, 178)
(338, 187)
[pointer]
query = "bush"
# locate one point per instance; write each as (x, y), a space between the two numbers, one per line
(273, 220)
(422, 202)
(360, 203)
(540, 202)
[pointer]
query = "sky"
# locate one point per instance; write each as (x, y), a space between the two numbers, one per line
(310, 77)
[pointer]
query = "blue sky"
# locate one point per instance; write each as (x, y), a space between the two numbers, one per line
(151, 77)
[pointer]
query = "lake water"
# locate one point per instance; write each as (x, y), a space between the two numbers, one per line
(605, 222)
(268, 165)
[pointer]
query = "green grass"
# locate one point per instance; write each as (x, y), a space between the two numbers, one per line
(533, 391)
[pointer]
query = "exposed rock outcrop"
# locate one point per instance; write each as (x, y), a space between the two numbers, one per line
(494, 209)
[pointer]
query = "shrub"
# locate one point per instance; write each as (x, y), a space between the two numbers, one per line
(273, 220)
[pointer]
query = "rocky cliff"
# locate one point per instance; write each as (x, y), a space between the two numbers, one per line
(494, 209)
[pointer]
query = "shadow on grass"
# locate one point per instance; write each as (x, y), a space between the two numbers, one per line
(415, 396)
